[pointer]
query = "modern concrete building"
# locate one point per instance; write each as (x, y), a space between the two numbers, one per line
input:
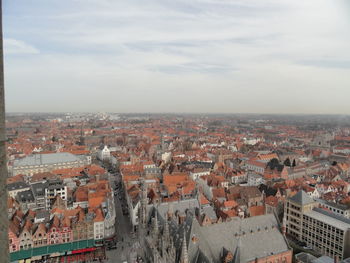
(54, 188)
(39, 163)
(324, 231)
(338, 209)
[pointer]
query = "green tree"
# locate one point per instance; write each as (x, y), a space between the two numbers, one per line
(287, 162)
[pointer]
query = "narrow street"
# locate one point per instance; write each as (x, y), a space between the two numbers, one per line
(126, 244)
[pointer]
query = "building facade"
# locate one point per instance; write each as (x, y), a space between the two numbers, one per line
(323, 231)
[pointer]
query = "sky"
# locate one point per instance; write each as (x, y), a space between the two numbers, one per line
(193, 56)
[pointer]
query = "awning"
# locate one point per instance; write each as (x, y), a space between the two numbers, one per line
(36, 258)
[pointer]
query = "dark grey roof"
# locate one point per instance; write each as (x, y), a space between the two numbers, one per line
(42, 214)
(257, 237)
(54, 184)
(39, 188)
(301, 198)
(25, 196)
(209, 211)
(17, 186)
(178, 206)
(304, 257)
(323, 259)
(268, 190)
(332, 204)
(330, 218)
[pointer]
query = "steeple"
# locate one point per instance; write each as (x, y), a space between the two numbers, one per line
(171, 251)
(143, 204)
(163, 247)
(184, 254)
(155, 225)
(166, 233)
(237, 255)
(170, 210)
(155, 255)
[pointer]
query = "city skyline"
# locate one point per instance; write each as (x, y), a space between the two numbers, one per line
(183, 56)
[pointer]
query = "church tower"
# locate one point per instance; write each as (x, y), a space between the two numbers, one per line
(142, 213)
(184, 254)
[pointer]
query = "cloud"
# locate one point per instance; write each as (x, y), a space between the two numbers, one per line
(327, 63)
(17, 47)
(177, 55)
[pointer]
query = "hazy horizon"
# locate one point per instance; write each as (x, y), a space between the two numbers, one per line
(163, 56)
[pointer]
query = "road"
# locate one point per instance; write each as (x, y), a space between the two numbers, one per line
(126, 244)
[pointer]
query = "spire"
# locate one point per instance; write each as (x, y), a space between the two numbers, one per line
(237, 255)
(166, 233)
(163, 247)
(170, 210)
(143, 203)
(155, 225)
(184, 254)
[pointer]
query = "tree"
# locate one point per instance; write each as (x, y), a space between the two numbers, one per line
(273, 163)
(294, 163)
(287, 162)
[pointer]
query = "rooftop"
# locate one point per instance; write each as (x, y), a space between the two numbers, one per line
(329, 218)
(42, 159)
(301, 198)
(256, 237)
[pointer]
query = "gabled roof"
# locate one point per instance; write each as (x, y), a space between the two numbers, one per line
(301, 198)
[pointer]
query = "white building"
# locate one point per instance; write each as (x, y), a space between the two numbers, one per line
(251, 141)
(166, 157)
(232, 148)
(198, 173)
(99, 230)
(54, 189)
(104, 154)
(109, 223)
(255, 179)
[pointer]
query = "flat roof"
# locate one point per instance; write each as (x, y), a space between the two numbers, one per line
(49, 158)
(329, 218)
(332, 204)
